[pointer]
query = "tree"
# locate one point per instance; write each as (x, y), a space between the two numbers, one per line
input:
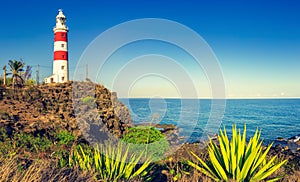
(16, 67)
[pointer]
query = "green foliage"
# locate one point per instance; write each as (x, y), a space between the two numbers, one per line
(112, 163)
(8, 81)
(65, 141)
(143, 135)
(5, 147)
(56, 146)
(30, 82)
(3, 134)
(149, 138)
(177, 169)
(88, 100)
(25, 143)
(236, 160)
(64, 137)
(32, 143)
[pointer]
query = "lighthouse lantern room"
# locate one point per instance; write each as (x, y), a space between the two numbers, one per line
(60, 61)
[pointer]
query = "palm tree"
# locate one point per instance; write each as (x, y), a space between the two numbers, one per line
(16, 67)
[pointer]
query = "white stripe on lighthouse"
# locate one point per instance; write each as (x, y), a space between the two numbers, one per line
(60, 68)
(60, 46)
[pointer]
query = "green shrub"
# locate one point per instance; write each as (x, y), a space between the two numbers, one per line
(6, 146)
(88, 100)
(22, 142)
(64, 137)
(29, 146)
(8, 81)
(112, 163)
(235, 160)
(30, 82)
(3, 134)
(32, 143)
(147, 138)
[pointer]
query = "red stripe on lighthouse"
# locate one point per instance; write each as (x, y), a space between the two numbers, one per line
(60, 55)
(60, 36)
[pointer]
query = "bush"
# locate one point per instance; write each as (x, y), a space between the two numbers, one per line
(32, 143)
(147, 138)
(64, 137)
(56, 146)
(235, 161)
(30, 82)
(87, 100)
(8, 81)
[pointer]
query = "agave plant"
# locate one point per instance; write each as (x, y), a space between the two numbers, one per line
(235, 160)
(112, 163)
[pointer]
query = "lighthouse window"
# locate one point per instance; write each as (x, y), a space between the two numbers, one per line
(62, 45)
(63, 56)
(62, 34)
(62, 78)
(62, 67)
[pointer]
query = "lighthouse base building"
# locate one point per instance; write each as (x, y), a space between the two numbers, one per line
(60, 61)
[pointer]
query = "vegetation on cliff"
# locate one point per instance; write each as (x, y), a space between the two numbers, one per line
(147, 138)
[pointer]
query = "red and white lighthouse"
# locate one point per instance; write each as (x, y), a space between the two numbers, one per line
(60, 59)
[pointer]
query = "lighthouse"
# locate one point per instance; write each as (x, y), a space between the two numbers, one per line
(60, 59)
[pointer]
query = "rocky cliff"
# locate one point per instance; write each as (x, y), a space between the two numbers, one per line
(83, 108)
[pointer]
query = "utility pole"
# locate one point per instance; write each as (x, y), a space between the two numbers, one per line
(86, 72)
(4, 77)
(38, 75)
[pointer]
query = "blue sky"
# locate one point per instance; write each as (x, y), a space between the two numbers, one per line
(256, 42)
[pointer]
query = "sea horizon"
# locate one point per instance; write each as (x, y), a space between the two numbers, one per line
(231, 98)
(277, 118)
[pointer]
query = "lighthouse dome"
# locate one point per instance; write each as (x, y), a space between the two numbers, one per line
(60, 21)
(60, 14)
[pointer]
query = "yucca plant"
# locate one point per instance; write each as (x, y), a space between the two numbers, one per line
(82, 158)
(235, 160)
(112, 163)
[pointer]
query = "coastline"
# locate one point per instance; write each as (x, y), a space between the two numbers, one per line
(171, 132)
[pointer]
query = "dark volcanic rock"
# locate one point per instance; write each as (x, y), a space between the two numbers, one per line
(64, 106)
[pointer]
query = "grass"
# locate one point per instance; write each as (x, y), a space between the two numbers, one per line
(40, 170)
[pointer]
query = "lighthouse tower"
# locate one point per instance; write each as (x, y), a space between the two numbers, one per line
(60, 59)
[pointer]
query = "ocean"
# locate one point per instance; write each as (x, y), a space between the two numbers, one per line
(195, 119)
